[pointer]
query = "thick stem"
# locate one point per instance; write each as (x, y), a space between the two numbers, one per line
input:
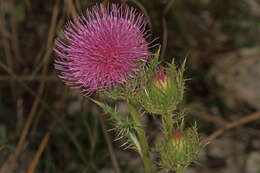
(142, 138)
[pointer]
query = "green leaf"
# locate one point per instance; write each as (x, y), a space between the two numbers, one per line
(108, 110)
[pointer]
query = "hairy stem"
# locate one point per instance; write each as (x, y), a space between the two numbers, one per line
(142, 138)
(167, 125)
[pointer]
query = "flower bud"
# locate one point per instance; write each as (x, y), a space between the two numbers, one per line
(161, 80)
(162, 90)
(180, 150)
(177, 135)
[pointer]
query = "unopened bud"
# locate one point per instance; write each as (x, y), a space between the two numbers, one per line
(162, 91)
(177, 134)
(180, 150)
(161, 80)
(178, 141)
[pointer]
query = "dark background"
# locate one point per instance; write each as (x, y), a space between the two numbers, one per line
(219, 38)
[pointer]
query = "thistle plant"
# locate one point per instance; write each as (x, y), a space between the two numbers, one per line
(107, 52)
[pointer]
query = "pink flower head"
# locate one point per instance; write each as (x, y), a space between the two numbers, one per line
(103, 49)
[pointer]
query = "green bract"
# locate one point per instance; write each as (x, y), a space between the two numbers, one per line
(162, 90)
(180, 150)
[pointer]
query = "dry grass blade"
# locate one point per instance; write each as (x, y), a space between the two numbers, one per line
(40, 90)
(7, 78)
(47, 107)
(247, 119)
(139, 5)
(45, 139)
(105, 2)
(72, 10)
(41, 148)
(165, 31)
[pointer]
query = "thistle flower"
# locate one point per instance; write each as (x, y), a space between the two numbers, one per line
(102, 49)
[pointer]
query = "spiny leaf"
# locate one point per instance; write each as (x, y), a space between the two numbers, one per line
(108, 110)
(124, 128)
(132, 137)
(155, 62)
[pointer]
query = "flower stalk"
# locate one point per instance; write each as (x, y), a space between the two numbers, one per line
(167, 124)
(142, 138)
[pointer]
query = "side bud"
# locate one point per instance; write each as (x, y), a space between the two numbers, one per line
(162, 90)
(179, 151)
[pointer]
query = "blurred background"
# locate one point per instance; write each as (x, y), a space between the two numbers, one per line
(46, 127)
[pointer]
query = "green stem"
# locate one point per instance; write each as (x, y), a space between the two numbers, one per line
(180, 169)
(167, 124)
(142, 138)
